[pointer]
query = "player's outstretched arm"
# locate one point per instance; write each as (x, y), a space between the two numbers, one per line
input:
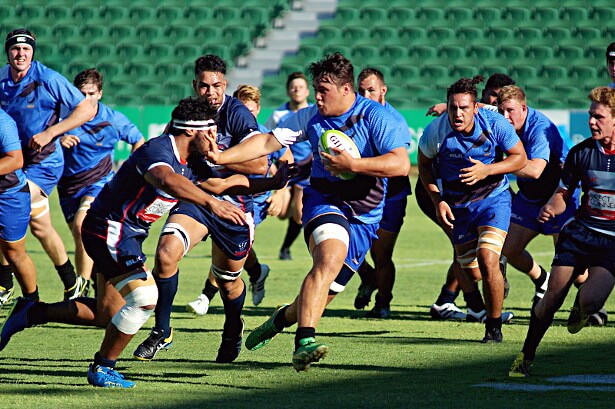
(252, 148)
(391, 164)
(80, 115)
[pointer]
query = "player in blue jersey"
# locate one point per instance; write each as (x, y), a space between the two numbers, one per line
(536, 182)
(473, 198)
(149, 184)
(298, 91)
(189, 224)
(37, 98)
(88, 159)
(587, 241)
(14, 211)
(340, 216)
(382, 275)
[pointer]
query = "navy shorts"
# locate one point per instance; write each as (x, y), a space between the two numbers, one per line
(581, 247)
(115, 249)
(525, 214)
(234, 240)
(394, 212)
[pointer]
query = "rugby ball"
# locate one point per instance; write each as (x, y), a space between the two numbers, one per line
(338, 139)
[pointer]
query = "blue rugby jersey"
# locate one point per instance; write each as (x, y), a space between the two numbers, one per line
(589, 165)
(375, 132)
(36, 103)
(283, 117)
(541, 139)
(92, 158)
(451, 149)
(128, 198)
(399, 185)
(9, 141)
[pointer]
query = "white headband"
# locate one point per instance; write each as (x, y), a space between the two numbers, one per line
(197, 125)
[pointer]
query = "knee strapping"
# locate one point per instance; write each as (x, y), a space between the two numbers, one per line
(131, 317)
(491, 240)
(225, 275)
(39, 208)
(85, 205)
(328, 231)
(468, 259)
(178, 231)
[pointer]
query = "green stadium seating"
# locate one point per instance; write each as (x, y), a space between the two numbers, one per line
(440, 35)
(553, 73)
(487, 16)
(545, 16)
(433, 16)
(356, 35)
(405, 73)
(459, 15)
(198, 15)
(58, 13)
(462, 71)
(373, 15)
(433, 72)
(384, 35)
(393, 54)
(121, 32)
(362, 54)
(412, 35)
(402, 16)
(140, 14)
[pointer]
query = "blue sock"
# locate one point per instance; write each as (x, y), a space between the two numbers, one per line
(100, 361)
(167, 288)
(232, 312)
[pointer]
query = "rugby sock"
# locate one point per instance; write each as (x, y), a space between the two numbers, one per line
(474, 301)
(33, 296)
(254, 271)
(383, 302)
(232, 312)
(210, 290)
(100, 361)
(538, 282)
(492, 323)
(292, 232)
(67, 274)
(280, 322)
(535, 333)
(6, 277)
(302, 333)
(167, 288)
(446, 296)
(366, 272)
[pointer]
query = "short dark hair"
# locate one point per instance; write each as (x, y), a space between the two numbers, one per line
(333, 68)
(209, 63)
(610, 52)
(499, 80)
(295, 75)
(465, 86)
(366, 72)
(191, 109)
(89, 76)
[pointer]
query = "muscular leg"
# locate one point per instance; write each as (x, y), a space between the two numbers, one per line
(83, 262)
(21, 263)
(382, 254)
(515, 250)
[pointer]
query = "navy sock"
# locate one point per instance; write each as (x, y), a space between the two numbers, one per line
(474, 301)
(232, 312)
(254, 271)
(280, 322)
(209, 290)
(302, 333)
(535, 333)
(492, 323)
(67, 274)
(33, 296)
(6, 277)
(292, 232)
(100, 361)
(446, 296)
(167, 288)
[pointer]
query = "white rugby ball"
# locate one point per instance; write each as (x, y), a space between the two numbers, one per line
(338, 139)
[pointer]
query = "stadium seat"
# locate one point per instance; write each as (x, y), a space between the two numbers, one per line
(500, 36)
(110, 69)
(422, 54)
(583, 74)
(433, 16)
(139, 14)
(535, 91)
(462, 71)
(405, 73)
(383, 35)
(586, 35)
(440, 35)
(121, 32)
(509, 53)
(139, 69)
(470, 35)
(169, 13)
(115, 14)
(64, 32)
(7, 11)
(334, 48)
(30, 13)
(347, 15)
(402, 16)
(101, 51)
(177, 33)
(57, 13)
(373, 15)
(482, 54)
(76, 66)
(542, 54)
(355, 35)
(557, 35)
(569, 53)
(128, 50)
(572, 16)
(459, 15)
(393, 54)
(487, 16)
(198, 14)
(489, 69)
(553, 72)
(433, 73)
(72, 49)
(157, 52)
(94, 32)
(364, 54)
(528, 36)
(169, 71)
(545, 16)
(206, 33)
(148, 32)
(604, 13)
(522, 73)
(453, 54)
(515, 16)
(329, 35)
(412, 35)
(187, 51)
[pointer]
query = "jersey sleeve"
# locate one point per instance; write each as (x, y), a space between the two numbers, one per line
(387, 132)
(572, 171)
(150, 156)
(505, 134)
(537, 143)
(429, 141)
(127, 130)
(9, 139)
(63, 91)
(242, 124)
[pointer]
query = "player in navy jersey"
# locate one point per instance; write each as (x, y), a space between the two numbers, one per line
(37, 98)
(189, 224)
(340, 217)
(473, 197)
(149, 184)
(88, 159)
(382, 275)
(586, 241)
(298, 91)
(14, 212)
(536, 182)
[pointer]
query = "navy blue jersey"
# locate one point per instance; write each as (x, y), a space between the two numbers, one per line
(591, 166)
(128, 198)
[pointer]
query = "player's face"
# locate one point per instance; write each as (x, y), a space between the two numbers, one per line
(601, 122)
(371, 87)
(610, 66)
(212, 86)
(298, 91)
(461, 109)
(515, 112)
(330, 99)
(200, 143)
(20, 57)
(253, 107)
(490, 96)
(91, 91)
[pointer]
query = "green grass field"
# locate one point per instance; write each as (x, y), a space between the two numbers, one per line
(402, 362)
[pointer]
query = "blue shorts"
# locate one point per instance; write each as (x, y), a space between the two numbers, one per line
(235, 240)
(525, 214)
(260, 206)
(581, 247)
(14, 214)
(115, 251)
(70, 204)
(361, 236)
(394, 212)
(45, 177)
(490, 211)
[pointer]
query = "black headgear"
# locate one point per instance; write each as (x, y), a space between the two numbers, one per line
(19, 36)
